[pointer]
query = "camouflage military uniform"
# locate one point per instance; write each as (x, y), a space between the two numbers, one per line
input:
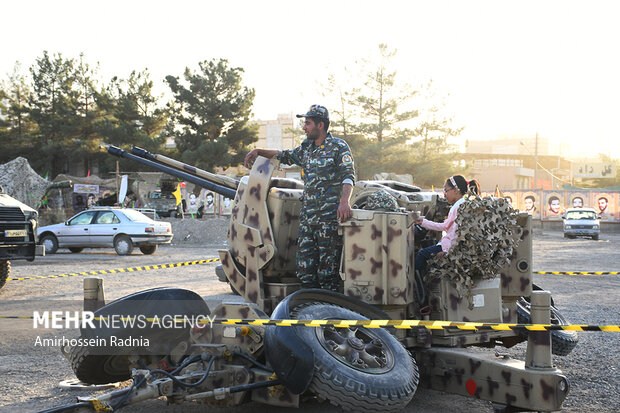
(325, 169)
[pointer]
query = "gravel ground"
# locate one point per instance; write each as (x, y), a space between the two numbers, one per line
(29, 375)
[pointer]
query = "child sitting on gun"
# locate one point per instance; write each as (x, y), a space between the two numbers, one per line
(455, 187)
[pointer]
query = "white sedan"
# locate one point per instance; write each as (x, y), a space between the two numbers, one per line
(121, 228)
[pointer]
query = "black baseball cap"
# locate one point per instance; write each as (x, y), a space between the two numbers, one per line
(316, 111)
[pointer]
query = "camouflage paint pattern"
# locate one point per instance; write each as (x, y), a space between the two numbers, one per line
(485, 376)
(318, 256)
(251, 240)
(377, 267)
(378, 252)
(325, 168)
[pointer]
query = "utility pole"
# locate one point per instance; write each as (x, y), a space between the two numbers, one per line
(536, 162)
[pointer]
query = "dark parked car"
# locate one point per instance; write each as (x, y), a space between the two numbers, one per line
(18, 234)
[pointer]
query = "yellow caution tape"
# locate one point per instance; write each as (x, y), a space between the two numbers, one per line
(118, 270)
(186, 263)
(577, 272)
(411, 324)
(402, 324)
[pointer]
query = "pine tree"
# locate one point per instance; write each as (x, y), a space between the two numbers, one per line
(211, 111)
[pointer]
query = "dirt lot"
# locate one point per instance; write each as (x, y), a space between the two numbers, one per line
(29, 375)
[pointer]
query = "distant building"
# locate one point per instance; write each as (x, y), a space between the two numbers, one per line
(508, 163)
(280, 134)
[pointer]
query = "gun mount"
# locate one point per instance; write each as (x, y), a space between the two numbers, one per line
(359, 369)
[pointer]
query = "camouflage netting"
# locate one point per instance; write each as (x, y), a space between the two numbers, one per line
(21, 182)
(486, 238)
(382, 201)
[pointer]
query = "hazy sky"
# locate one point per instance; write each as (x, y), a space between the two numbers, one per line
(551, 67)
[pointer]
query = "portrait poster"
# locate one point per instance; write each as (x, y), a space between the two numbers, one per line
(209, 202)
(530, 203)
(578, 200)
(553, 205)
(605, 205)
(193, 203)
(512, 199)
(79, 202)
(225, 205)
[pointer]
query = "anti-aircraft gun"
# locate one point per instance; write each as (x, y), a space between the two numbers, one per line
(346, 361)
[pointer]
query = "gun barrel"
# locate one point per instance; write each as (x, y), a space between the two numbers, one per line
(222, 190)
(218, 179)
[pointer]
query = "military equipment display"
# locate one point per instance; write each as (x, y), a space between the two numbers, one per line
(486, 279)
(163, 200)
(18, 234)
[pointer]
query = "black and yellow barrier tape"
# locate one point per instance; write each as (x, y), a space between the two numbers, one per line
(182, 264)
(402, 324)
(577, 272)
(409, 324)
(117, 270)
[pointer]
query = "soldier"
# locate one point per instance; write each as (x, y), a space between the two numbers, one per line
(328, 175)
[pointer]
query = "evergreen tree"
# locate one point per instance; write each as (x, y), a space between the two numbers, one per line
(379, 104)
(17, 130)
(53, 108)
(392, 127)
(134, 117)
(87, 115)
(211, 112)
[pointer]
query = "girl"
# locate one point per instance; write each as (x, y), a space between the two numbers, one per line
(455, 187)
(474, 186)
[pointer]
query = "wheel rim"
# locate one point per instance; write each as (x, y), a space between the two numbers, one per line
(48, 243)
(358, 348)
(122, 246)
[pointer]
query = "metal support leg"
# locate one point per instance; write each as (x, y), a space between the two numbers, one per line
(94, 297)
(538, 354)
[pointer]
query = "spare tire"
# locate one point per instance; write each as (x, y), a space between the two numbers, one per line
(105, 361)
(98, 369)
(356, 368)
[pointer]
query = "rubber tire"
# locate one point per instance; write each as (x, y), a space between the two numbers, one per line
(98, 369)
(360, 203)
(5, 270)
(76, 250)
(123, 245)
(53, 243)
(595, 237)
(351, 388)
(233, 289)
(562, 341)
(148, 249)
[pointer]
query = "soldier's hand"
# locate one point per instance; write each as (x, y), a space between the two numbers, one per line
(440, 254)
(250, 158)
(344, 211)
